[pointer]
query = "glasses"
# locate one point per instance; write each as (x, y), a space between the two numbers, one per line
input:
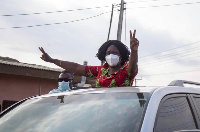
(65, 79)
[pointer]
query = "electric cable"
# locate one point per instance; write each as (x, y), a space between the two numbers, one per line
(59, 22)
(171, 49)
(170, 56)
(50, 12)
(177, 72)
(159, 63)
(144, 1)
(167, 5)
(150, 59)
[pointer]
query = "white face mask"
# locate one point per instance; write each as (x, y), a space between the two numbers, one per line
(112, 59)
(63, 86)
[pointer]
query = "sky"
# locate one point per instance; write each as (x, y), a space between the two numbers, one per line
(73, 30)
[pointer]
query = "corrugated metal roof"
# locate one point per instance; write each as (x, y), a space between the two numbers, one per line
(34, 66)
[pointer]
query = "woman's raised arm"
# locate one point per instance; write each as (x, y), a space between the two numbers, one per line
(69, 66)
(134, 43)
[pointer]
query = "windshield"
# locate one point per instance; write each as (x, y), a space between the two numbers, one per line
(77, 113)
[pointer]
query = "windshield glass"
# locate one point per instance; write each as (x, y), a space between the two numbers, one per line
(77, 113)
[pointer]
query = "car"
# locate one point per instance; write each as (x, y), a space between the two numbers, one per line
(172, 108)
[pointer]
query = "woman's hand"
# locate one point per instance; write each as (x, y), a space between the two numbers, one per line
(134, 43)
(45, 56)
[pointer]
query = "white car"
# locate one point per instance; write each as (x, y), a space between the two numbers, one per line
(172, 108)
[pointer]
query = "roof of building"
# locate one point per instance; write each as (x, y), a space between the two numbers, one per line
(10, 66)
(20, 64)
(8, 59)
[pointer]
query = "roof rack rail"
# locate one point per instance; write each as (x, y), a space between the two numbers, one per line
(181, 82)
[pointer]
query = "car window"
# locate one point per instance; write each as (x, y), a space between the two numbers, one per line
(78, 113)
(197, 100)
(174, 114)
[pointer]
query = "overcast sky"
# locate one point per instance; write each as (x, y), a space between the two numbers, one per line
(168, 31)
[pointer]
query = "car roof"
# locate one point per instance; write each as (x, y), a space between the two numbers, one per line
(104, 90)
(175, 86)
(155, 92)
(150, 90)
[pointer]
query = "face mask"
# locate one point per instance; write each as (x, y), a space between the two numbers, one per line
(112, 59)
(63, 86)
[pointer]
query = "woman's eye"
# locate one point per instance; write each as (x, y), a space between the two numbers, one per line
(114, 53)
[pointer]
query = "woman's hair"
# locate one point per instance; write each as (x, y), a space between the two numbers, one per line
(123, 49)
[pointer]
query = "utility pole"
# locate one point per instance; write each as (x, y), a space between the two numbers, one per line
(110, 22)
(119, 31)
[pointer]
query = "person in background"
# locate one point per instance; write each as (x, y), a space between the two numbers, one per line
(120, 67)
(65, 82)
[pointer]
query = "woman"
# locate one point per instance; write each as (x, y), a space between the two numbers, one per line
(119, 69)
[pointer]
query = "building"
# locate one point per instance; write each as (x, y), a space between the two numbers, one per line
(20, 80)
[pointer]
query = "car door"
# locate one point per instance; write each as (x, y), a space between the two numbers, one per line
(176, 112)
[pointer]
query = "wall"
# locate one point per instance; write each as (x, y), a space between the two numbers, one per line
(15, 87)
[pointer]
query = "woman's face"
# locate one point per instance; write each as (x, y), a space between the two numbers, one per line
(113, 56)
(112, 50)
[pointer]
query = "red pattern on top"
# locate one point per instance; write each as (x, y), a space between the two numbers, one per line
(105, 80)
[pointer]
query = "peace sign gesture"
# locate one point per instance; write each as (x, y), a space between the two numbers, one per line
(45, 56)
(134, 43)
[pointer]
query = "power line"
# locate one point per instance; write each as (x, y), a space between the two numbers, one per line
(172, 54)
(159, 63)
(167, 5)
(144, 1)
(169, 60)
(178, 72)
(61, 22)
(50, 12)
(169, 56)
(171, 49)
(187, 57)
